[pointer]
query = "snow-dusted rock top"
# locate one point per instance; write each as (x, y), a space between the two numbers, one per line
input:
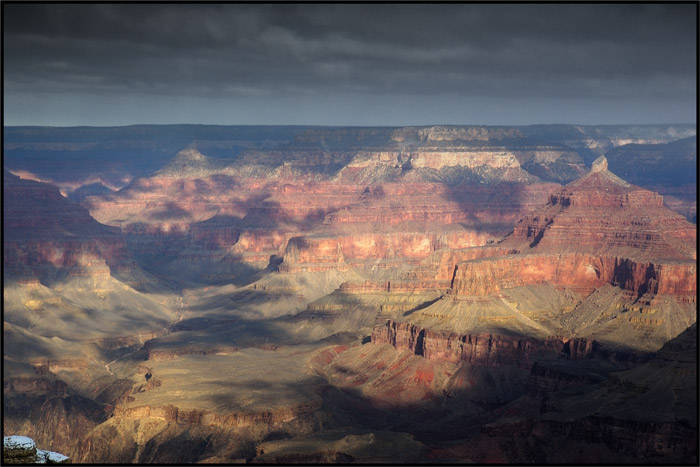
(18, 446)
(18, 442)
(22, 450)
(49, 457)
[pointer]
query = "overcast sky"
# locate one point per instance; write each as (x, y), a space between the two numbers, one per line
(349, 64)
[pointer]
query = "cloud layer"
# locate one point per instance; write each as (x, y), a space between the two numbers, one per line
(349, 64)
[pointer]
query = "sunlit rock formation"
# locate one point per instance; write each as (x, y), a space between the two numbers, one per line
(597, 236)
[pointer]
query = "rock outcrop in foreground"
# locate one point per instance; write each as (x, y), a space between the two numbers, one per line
(22, 450)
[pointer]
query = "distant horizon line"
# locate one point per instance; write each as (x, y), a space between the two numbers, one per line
(352, 126)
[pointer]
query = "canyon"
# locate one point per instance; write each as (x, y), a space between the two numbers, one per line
(321, 294)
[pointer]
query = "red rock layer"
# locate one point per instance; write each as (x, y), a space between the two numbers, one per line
(254, 215)
(430, 215)
(429, 204)
(170, 413)
(392, 286)
(602, 213)
(580, 272)
(318, 253)
(596, 230)
(441, 266)
(658, 233)
(479, 349)
(77, 255)
(44, 231)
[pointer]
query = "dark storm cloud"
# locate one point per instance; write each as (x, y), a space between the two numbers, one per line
(272, 53)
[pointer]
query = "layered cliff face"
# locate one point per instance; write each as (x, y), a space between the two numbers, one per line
(110, 158)
(580, 272)
(600, 250)
(49, 412)
(478, 349)
(668, 168)
(45, 235)
(252, 212)
(601, 213)
(66, 314)
(61, 269)
(566, 407)
(440, 162)
(208, 404)
(354, 250)
(409, 222)
(468, 183)
(596, 230)
(646, 412)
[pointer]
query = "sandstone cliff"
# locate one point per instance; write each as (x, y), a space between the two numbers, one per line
(479, 349)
